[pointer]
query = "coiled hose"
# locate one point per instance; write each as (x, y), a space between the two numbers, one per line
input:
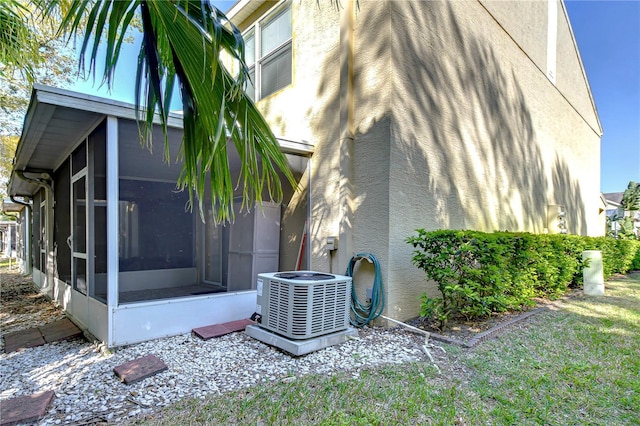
(363, 313)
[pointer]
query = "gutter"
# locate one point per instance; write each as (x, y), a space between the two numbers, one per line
(44, 176)
(27, 235)
(49, 197)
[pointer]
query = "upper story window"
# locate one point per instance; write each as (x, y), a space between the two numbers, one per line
(268, 53)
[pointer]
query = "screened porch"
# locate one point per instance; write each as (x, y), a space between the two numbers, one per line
(115, 242)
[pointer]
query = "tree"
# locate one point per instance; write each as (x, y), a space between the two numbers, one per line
(631, 197)
(7, 149)
(182, 43)
(30, 51)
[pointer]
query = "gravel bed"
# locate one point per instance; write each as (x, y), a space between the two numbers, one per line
(88, 392)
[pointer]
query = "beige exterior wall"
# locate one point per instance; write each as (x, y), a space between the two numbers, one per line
(526, 22)
(484, 140)
(308, 111)
(435, 115)
(372, 161)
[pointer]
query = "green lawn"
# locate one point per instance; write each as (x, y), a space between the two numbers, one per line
(575, 365)
(5, 263)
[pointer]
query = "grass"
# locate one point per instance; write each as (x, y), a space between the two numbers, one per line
(576, 365)
(5, 263)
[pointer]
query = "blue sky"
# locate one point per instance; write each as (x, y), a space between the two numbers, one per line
(608, 36)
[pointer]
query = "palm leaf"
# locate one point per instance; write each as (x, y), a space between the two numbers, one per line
(18, 50)
(183, 39)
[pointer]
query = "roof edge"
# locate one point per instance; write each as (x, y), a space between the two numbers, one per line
(584, 73)
(68, 98)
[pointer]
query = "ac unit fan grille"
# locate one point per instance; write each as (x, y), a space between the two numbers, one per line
(303, 311)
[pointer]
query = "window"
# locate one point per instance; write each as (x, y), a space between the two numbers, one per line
(268, 53)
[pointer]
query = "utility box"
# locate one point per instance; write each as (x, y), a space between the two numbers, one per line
(593, 274)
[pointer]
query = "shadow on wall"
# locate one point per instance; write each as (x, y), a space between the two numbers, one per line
(568, 190)
(464, 138)
(468, 133)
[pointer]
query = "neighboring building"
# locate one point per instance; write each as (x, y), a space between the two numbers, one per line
(615, 212)
(12, 234)
(396, 115)
(614, 204)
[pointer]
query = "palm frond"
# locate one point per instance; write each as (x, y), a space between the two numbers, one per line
(183, 39)
(18, 49)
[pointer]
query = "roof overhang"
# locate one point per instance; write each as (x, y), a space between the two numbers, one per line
(11, 207)
(56, 120)
(240, 11)
(303, 149)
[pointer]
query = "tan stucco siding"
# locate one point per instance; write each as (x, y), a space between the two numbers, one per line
(294, 111)
(481, 138)
(372, 138)
(526, 23)
(454, 126)
(307, 110)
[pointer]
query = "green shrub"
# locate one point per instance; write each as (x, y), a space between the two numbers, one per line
(617, 254)
(635, 264)
(479, 273)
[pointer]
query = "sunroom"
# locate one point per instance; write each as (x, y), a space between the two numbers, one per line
(113, 240)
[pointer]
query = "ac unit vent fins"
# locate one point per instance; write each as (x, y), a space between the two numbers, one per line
(302, 308)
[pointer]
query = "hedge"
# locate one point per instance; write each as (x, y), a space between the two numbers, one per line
(480, 273)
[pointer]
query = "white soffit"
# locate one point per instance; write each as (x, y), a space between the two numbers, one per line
(243, 9)
(56, 120)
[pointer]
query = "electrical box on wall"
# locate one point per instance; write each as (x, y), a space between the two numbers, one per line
(331, 244)
(556, 219)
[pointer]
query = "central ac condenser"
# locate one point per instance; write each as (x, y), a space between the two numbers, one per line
(303, 304)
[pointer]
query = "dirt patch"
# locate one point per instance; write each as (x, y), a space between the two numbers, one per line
(22, 305)
(463, 330)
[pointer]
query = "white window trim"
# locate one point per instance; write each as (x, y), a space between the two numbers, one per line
(259, 58)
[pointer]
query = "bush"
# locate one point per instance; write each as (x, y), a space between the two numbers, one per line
(479, 273)
(617, 255)
(635, 264)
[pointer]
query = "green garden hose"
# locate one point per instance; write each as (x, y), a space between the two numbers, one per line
(363, 313)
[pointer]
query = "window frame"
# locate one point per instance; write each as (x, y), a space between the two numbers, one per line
(255, 31)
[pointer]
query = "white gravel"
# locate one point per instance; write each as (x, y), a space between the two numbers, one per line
(88, 391)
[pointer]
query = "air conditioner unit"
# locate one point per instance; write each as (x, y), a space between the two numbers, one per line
(303, 304)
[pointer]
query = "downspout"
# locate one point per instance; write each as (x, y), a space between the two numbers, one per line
(49, 200)
(27, 235)
(347, 132)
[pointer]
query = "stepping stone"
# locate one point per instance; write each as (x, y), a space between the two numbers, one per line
(238, 325)
(218, 330)
(63, 329)
(25, 409)
(139, 369)
(23, 339)
(211, 331)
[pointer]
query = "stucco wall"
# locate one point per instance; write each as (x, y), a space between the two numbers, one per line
(372, 140)
(481, 138)
(308, 111)
(571, 81)
(454, 125)
(526, 22)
